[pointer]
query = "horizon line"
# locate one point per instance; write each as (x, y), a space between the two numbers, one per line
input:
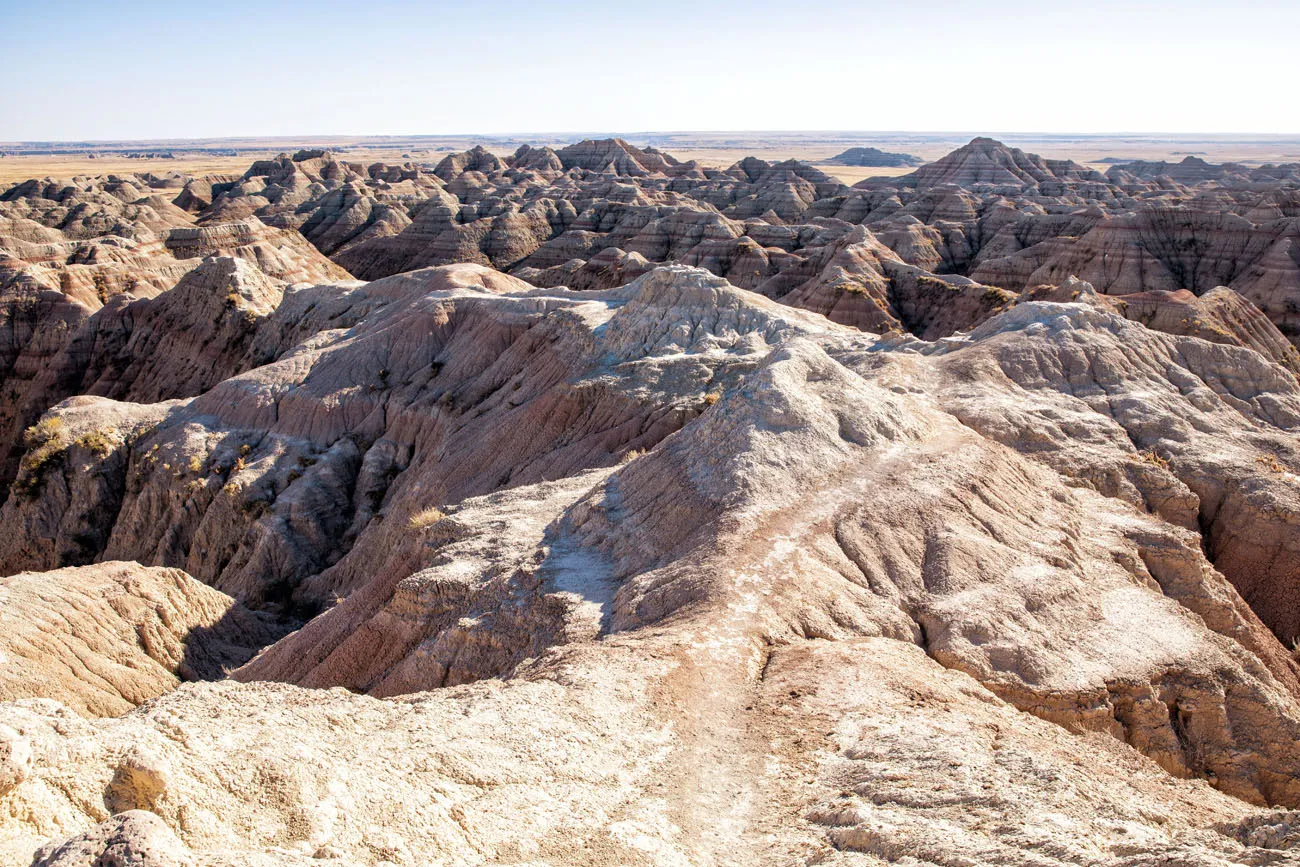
(1233, 136)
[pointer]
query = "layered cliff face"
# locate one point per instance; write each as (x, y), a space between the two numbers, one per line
(667, 572)
(988, 162)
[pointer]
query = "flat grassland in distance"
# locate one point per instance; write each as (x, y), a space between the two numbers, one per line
(22, 160)
(20, 168)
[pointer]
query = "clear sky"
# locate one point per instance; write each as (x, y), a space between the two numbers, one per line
(136, 69)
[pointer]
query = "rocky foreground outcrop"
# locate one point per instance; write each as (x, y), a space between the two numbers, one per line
(102, 639)
(672, 572)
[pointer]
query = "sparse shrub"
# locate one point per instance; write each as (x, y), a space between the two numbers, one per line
(995, 297)
(426, 518)
(102, 290)
(44, 431)
(45, 441)
(631, 455)
(712, 397)
(96, 442)
(196, 464)
(1150, 456)
(1271, 463)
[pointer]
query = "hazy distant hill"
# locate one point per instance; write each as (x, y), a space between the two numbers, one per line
(874, 157)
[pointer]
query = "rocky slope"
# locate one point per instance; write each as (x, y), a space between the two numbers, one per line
(73, 250)
(585, 216)
(846, 537)
(607, 575)
(102, 639)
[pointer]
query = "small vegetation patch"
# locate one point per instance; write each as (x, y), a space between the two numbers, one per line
(1151, 456)
(712, 397)
(44, 431)
(1270, 463)
(97, 442)
(426, 518)
(995, 297)
(45, 441)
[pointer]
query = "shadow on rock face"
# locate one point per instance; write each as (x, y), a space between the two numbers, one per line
(213, 651)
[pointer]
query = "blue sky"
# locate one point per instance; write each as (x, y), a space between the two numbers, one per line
(190, 69)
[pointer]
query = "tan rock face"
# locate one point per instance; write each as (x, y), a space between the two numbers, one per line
(136, 837)
(15, 759)
(529, 396)
(1219, 316)
(511, 551)
(102, 639)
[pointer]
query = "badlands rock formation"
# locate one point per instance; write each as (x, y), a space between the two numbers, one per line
(69, 249)
(749, 520)
(873, 157)
(586, 215)
(104, 638)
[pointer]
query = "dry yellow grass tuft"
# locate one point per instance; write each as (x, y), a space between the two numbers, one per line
(1151, 457)
(45, 442)
(426, 518)
(1271, 463)
(97, 442)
